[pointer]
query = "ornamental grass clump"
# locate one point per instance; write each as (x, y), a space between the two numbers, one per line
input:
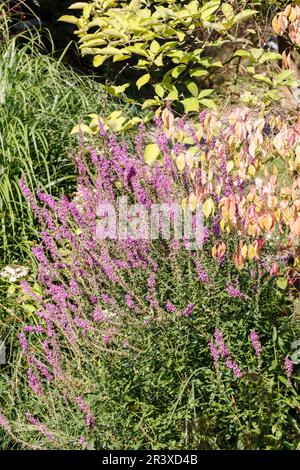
(41, 99)
(139, 338)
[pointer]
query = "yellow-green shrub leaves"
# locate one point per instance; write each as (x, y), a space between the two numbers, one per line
(162, 44)
(173, 48)
(151, 153)
(143, 80)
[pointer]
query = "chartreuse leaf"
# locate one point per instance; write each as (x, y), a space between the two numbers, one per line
(281, 282)
(77, 6)
(173, 92)
(81, 127)
(227, 10)
(208, 9)
(208, 207)
(180, 162)
(116, 124)
(119, 57)
(176, 71)
(69, 19)
(98, 60)
(198, 72)
(190, 104)
(208, 103)
(284, 75)
(132, 122)
(143, 80)
(108, 51)
(269, 56)
(256, 52)
(115, 114)
(87, 10)
(205, 93)
(29, 308)
(180, 35)
(116, 90)
(283, 380)
(154, 47)
(151, 153)
(263, 78)
(244, 15)
(241, 53)
(192, 87)
(150, 103)
(94, 42)
(159, 90)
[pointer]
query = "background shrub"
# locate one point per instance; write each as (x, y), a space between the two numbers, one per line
(191, 53)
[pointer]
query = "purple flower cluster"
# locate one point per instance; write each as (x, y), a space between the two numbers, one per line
(90, 283)
(171, 308)
(215, 353)
(255, 342)
(129, 302)
(234, 292)
(87, 280)
(203, 276)
(34, 382)
(4, 423)
(220, 343)
(40, 426)
(220, 350)
(89, 419)
(188, 310)
(233, 366)
(288, 365)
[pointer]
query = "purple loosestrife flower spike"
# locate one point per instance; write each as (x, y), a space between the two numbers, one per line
(29, 291)
(34, 383)
(255, 343)
(129, 302)
(24, 343)
(203, 276)
(153, 302)
(83, 324)
(33, 329)
(44, 371)
(234, 367)
(90, 422)
(99, 315)
(151, 281)
(171, 308)
(4, 423)
(222, 347)
(188, 310)
(40, 426)
(216, 227)
(93, 299)
(234, 291)
(288, 365)
(101, 127)
(89, 419)
(215, 353)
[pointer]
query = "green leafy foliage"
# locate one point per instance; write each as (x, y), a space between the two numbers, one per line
(163, 43)
(162, 46)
